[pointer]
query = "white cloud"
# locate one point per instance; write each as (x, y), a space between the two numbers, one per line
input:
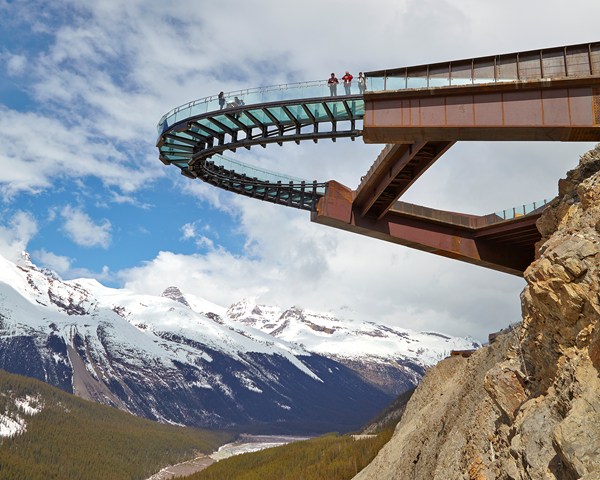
(16, 234)
(80, 228)
(298, 262)
(107, 76)
(38, 150)
(58, 263)
(104, 275)
(190, 231)
(16, 64)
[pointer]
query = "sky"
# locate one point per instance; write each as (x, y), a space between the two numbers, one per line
(83, 85)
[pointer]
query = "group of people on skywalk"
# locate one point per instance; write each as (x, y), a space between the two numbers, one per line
(347, 79)
(237, 102)
(332, 82)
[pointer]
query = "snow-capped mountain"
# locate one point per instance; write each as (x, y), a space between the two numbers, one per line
(392, 358)
(181, 359)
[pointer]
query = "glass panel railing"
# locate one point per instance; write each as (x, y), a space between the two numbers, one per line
(376, 84)
(292, 91)
(553, 63)
(416, 82)
(522, 210)
(388, 83)
(457, 81)
(442, 82)
(395, 82)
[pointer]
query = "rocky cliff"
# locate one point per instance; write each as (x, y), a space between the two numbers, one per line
(528, 405)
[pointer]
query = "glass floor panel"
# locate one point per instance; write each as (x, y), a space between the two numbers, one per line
(279, 114)
(210, 125)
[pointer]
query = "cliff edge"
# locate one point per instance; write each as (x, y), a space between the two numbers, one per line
(528, 405)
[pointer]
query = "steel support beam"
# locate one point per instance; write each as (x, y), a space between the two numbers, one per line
(394, 171)
(475, 245)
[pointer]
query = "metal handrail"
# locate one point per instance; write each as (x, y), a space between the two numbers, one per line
(525, 209)
(566, 62)
(244, 93)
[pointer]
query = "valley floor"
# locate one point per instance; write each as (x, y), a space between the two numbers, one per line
(244, 444)
(183, 469)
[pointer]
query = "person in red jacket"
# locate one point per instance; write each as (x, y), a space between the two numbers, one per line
(347, 82)
(333, 83)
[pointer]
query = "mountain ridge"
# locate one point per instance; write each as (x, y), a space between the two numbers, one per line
(178, 358)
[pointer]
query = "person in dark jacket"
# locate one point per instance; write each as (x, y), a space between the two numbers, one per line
(333, 83)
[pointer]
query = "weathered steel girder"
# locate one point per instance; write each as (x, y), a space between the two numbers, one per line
(396, 168)
(506, 246)
(548, 110)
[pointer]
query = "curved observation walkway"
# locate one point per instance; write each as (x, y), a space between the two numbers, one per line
(295, 112)
(419, 112)
(193, 136)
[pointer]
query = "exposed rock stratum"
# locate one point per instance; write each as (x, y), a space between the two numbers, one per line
(528, 405)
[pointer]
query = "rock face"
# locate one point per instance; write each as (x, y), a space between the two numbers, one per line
(527, 406)
(175, 294)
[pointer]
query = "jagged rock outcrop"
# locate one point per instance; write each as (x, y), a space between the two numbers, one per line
(175, 294)
(527, 406)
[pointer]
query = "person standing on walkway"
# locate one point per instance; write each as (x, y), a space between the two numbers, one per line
(221, 100)
(362, 83)
(333, 83)
(347, 82)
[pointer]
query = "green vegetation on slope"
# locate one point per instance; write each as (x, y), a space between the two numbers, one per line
(391, 415)
(330, 457)
(72, 439)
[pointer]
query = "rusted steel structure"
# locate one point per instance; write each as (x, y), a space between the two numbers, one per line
(549, 94)
(419, 112)
(489, 240)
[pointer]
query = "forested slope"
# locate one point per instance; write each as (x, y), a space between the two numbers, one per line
(54, 435)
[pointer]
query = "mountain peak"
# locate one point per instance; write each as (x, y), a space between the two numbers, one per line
(175, 294)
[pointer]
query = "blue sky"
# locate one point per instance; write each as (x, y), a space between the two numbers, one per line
(83, 84)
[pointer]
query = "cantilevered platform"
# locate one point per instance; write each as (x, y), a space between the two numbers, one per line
(492, 241)
(419, 112)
